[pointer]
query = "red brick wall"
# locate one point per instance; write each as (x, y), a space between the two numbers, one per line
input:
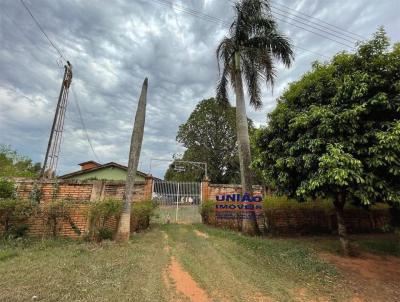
(80, 194)
(299, 221)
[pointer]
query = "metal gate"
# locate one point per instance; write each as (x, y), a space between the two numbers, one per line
(178, 202)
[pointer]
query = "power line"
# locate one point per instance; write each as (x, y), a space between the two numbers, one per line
(320, 20)
(84, 125)
(314, 27)
(315, 33)
(311, 31)
(209, 18)
(294, 15)
(42, 30)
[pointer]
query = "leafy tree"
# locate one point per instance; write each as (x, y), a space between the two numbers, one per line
(251, 48)
(336, 132)
(14, 165)
(209, 136)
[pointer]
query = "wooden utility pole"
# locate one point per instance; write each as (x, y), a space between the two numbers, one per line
(53, 147)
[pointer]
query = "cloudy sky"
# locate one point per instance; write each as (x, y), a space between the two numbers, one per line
(114, 45)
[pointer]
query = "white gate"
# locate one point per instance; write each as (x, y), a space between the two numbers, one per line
(177, 201)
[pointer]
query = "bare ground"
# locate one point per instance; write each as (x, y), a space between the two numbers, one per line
(370, 277)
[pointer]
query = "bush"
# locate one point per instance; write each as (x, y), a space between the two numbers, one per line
(54, 213)
(18, 231)
(7, 188)
(276, 202)
(207, 210)
(13, 212)
(105, 234)
(100, 213)
(141, 214)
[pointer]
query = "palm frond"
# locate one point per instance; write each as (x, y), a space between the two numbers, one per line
(250, 70)
(225, 53)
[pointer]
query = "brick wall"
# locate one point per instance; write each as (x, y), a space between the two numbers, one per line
(79, 194)
(298, 221)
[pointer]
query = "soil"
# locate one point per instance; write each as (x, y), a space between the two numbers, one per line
(201, 234)
(185, 284)
(370, 277)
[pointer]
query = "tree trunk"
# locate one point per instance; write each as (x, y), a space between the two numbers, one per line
(339, 202)
(124, 224)
(249, 224)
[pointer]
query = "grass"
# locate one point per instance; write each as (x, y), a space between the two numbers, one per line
(227, 265)
(381, 244)
(186, 214)
(234, 267)
(59, 270)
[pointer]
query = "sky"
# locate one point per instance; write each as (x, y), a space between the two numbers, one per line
(114, 45)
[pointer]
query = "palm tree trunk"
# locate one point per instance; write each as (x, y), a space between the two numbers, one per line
(342, 229)
(249, 224)
(124, 224)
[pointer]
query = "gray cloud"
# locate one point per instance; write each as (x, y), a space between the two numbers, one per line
(113, 45)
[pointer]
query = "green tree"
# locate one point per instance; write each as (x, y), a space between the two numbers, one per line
(336, 132)
(14, 165)
(250, 51)
(209, 136)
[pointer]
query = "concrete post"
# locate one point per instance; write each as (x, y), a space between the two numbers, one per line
(205, 189)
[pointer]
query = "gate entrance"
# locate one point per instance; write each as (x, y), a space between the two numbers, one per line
(177, 202)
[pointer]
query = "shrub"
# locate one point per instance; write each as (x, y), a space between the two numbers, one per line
(276, 202)
(13, 212)
(19, 230)
(36, 193)
(141, 214)
(105, 234)
(101, 212)
(54, 213)
(7, 188)
(207, 210)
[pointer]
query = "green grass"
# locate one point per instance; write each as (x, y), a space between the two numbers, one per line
(381, 244)
(227, 265)
(386, 246)
(186, 214)
(59, 270)
(234, 267)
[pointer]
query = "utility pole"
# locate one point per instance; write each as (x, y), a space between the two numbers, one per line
(53, 148)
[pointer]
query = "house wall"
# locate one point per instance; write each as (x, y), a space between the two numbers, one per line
(109, 173)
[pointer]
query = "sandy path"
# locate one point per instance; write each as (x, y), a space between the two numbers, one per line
(177, 279)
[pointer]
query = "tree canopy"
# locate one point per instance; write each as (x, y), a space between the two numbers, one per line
(209, 136)
(336, 131)
(338, 128)
(14, 165)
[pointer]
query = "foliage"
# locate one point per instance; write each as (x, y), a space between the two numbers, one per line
(7, 188)
(35, 195)
(13, 213)
(275, 202)
(337, 129)
(14, 165)
(207, 210)
(56, 212)
(141, 213)
(255, 38)
(100, 213)
(209, 136)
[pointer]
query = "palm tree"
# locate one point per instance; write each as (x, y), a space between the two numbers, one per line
(250, 51)
(124, 225)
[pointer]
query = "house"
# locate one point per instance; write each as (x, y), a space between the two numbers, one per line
(91, 170)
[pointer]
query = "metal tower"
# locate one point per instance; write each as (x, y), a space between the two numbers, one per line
(53, 148)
